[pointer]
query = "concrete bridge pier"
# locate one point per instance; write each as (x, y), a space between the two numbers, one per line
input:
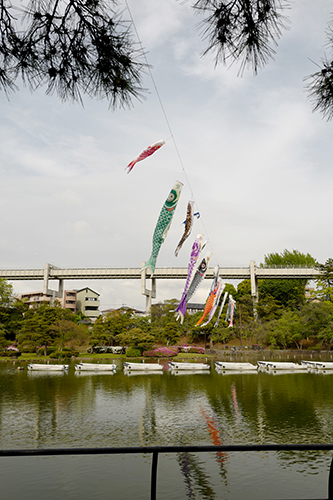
(150, 294)
(254, 287)
(46, 289)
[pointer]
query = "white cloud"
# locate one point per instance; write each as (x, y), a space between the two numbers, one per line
(256, 159)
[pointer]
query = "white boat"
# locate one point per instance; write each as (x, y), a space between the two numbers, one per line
(95, 367)
(39, 366)
(221, 371)
(280, 365)
(189, 372)
(272, 371)
(328, 365)
(143, 367)
(188, 366)
(135, 373)
(229, 365)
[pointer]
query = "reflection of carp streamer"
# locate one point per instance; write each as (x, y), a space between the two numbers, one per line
(215, 435)
(234, 398)
(183, 459)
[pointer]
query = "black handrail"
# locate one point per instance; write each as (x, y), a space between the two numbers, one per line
(155, 450)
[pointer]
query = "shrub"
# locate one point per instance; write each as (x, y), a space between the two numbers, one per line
(54, 355)
(133, 352)
(11, 354)
(28, 349)
(49, 350)
(66, 353)
(162, 352)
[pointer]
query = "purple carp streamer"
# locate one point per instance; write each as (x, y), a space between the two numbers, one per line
(199, 275)
(230, 311)
(221, 308)
(220, 289)
(195, 252)
(188, 226)
(163, 224)
(145, 153)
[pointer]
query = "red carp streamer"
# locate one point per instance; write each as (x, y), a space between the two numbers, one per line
(147, 152)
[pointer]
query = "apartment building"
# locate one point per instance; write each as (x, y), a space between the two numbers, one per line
(66, 301)
(87, 301)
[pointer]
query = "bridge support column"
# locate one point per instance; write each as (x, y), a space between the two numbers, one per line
(150, 294)
(254, 287)
(46, 279)
(46, 289)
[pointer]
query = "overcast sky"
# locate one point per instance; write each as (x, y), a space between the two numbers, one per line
(256, 158)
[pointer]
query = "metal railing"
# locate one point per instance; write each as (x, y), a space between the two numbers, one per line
(156, 450)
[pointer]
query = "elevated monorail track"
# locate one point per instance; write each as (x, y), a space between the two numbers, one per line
(252, 272)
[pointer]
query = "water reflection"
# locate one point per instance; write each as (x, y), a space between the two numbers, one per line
(293, 407)
(82, 409)
(196, 477)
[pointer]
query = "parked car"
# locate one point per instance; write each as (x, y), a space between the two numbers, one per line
(102, 348)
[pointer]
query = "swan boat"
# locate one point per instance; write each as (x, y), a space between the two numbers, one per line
(142, 367)
(51, 368)
(188, 366)
(95, 367)
(229, 365)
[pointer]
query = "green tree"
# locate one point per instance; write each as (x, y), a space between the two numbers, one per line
(316, 317)
(326, 335)
(106, 328)
(67, 333)
(221, 334)
(84, 46)
(36, 330)
(11, 310)
(6, 294)
(202, 334)
(163, 313)
(171, 333)
(13, 318)
(231, 290)
(325, 282)
(3, 341)
(244, 288)
(72, 47)
(268, 308)
(136, 338)
(286, 331)
(288, 292)
(247, 32)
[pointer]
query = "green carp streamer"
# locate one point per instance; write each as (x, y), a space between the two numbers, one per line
(163, 224)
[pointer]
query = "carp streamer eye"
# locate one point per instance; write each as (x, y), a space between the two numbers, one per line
(203, 266)
(172, 199)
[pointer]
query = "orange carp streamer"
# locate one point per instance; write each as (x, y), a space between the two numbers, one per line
(211, 299)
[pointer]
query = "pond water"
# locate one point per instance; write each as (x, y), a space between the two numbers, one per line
(57, 410)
